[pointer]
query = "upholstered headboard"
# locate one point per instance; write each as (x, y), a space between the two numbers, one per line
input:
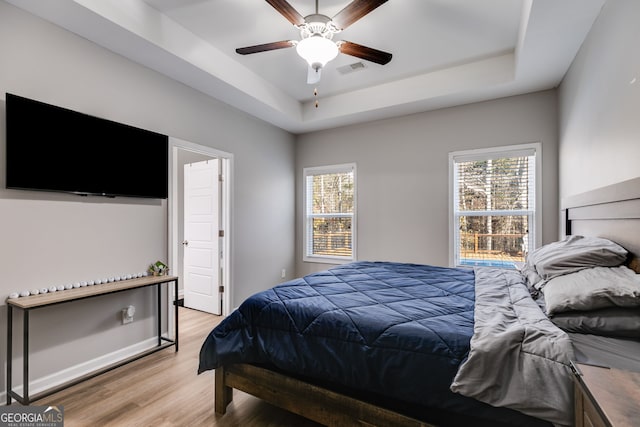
(612, 212)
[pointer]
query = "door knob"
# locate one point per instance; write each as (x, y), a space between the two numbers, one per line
(185, 242)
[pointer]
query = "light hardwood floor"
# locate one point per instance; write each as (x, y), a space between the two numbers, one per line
(163, 389)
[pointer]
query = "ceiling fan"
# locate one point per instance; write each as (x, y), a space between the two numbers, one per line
(316, 45)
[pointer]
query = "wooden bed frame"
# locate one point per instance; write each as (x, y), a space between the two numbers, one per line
(612, 212)
(308, 400)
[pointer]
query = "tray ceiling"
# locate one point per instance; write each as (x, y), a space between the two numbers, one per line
(445, 52)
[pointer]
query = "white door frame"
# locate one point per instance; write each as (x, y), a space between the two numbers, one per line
(176, 144)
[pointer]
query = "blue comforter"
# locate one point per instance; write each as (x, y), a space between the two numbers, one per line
(397, 330)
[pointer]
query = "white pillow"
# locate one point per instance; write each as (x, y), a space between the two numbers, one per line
(571, 254)
(591, 289)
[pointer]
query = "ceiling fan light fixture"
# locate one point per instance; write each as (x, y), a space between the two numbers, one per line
(317, 51)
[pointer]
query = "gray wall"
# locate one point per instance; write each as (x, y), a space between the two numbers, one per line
(599, 104)
(48, 238)
(402, 172)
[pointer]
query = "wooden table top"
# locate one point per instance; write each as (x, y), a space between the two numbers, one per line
(615, 391)
(40, 300)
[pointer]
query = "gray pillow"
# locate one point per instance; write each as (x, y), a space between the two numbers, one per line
(608, 322)
(571, 254)
(591, 289)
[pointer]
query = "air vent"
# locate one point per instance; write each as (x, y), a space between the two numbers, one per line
(351, 68)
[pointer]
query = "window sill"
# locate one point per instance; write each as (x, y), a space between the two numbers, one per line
(327, 260)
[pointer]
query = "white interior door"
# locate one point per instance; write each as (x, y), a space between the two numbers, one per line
(201, 239)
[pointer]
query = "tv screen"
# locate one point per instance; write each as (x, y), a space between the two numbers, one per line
(51, 148)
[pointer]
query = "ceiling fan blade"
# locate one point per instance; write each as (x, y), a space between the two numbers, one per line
(354, 11)
(287, 11)
(265, 47)
(363, 52)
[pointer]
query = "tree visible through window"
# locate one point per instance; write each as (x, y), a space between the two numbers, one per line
(494, 205)
(330, 209)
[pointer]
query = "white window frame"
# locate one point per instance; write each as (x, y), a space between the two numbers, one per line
(492, 153)
(307, 232)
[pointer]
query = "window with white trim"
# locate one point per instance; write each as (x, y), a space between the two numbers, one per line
(494, 205)
(330, 213)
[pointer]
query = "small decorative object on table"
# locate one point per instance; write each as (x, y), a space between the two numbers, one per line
(159, 268)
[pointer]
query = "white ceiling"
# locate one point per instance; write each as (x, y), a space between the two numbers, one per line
(445, 52)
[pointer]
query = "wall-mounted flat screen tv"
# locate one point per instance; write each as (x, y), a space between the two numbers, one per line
(50, 148)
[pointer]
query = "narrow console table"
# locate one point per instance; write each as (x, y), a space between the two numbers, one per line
(26, 304)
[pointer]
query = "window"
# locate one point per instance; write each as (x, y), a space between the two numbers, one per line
(494, 204)
(330, 213)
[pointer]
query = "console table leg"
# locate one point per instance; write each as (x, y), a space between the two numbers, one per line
(25, 356)
(159, 314)
(9, 351)
(175, 314)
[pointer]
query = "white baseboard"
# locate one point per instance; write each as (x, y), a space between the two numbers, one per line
(77, 371)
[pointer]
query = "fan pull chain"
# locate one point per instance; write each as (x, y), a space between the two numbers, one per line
(315, 93)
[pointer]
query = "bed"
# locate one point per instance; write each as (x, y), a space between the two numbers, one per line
(406, 344)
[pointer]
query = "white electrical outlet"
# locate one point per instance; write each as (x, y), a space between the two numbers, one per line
(127, 314)
(283, 273)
